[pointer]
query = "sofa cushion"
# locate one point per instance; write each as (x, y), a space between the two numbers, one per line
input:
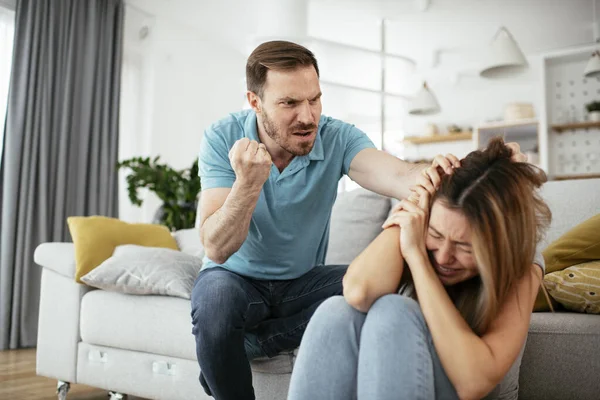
(562, 357)
(151, 324)
(577, 288)
(356, 220)
(571, 203)
(561, 196)
(145, 270)
(96, 237)
(188, 241)
(580, 244)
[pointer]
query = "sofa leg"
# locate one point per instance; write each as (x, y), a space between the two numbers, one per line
(116, 396)
(62, 388)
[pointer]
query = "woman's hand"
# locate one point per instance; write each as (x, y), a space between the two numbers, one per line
(413, 220)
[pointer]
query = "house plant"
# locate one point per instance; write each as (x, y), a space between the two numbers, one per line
(178, 189)
(593, 109)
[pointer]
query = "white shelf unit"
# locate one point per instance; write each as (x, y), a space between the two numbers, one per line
(574, 152)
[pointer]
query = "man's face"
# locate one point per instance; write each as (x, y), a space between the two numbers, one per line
(290, 109)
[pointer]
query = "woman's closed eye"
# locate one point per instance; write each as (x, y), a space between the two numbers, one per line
(435, 235)
(465, 249)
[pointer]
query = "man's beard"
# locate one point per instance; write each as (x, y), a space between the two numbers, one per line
(274, 132)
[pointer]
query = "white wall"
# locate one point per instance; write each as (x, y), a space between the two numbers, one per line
(195, 56)
(461, 29)
(192, 76)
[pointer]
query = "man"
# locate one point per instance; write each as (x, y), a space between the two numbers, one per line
(269, 179)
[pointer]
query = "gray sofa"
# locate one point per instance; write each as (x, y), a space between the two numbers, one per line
(142, 345)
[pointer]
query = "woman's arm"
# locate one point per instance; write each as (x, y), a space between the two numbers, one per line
(474, 365)
(375, 272)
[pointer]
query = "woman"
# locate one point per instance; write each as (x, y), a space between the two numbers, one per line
(463, 264)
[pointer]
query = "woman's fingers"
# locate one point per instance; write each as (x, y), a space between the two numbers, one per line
(424, 200)
(425, 180)
(434, 176)
(410, 207)
(391, 221)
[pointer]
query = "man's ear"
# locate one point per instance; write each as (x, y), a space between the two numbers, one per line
(254, 101)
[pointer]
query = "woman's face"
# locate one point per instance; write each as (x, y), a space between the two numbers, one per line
(449, 243)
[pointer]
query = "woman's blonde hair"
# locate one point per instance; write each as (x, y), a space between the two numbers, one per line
(500, 200)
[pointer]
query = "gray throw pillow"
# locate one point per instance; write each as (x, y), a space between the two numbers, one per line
(356, 220)
(134, 269)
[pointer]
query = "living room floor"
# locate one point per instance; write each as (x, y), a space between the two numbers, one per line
(19, 381)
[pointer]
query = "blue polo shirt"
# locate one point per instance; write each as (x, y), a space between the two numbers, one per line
(289, 229)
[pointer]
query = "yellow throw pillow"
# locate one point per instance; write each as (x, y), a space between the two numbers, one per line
(580, 244)
(95, 239)
(577, 288)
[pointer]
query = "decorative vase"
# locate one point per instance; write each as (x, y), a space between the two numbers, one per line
(595, 116)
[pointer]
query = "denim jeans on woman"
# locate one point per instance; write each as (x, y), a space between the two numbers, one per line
(387, 353)
(236, 319)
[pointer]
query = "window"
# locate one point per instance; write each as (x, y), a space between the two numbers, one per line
(7, 30)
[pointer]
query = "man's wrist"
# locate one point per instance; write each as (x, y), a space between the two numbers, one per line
(247, 187)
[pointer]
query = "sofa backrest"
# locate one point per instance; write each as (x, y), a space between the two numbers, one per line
(571, 202)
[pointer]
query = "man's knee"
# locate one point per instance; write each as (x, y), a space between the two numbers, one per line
(218, 302)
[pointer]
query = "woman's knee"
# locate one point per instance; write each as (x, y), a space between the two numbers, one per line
(395, 312)
(334, 314)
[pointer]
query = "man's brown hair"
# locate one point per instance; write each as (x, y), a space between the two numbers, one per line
(276, 55)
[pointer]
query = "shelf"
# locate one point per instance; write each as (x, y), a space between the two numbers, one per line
(508, 124)
(449, 137)
(576, 176)
(511, 131)
(571, 127)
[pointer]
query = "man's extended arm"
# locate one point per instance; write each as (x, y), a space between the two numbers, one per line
(387, 175)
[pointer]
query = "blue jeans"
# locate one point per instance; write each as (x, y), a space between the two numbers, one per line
(236, 319)
(387, 353)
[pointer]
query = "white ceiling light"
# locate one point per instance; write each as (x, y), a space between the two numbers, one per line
(592, 69)
(505, 57)
(424, 103)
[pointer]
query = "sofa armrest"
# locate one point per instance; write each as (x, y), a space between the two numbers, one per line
(60, 305)
(59, 257)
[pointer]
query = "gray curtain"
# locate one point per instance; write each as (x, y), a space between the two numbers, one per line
(60, 141)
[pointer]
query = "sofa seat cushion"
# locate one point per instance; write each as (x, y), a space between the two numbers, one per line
(151, 324)
(562, 357)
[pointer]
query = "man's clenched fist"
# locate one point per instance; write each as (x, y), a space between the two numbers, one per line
(250, 161)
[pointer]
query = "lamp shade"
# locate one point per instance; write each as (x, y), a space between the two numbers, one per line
(592, 69)
(504, 57)
(424, 102)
